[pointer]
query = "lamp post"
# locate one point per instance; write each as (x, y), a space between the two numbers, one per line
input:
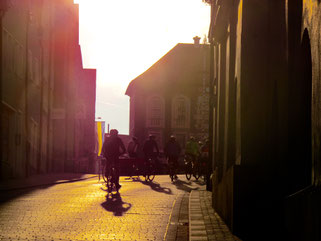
(3, 8)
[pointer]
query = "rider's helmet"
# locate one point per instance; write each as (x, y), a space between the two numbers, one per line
(113, 132)
(172, 137)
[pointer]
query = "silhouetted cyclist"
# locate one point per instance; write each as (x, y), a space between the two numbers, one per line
(192, 149)
(172, 151)
(113, 147)
(150, 149)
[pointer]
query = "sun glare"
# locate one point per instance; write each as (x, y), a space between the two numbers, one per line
(121, 39)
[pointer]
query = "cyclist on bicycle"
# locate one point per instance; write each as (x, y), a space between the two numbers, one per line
(113, 147)
(192, 149)
(150, 149)
(132, 148)
(172, 151)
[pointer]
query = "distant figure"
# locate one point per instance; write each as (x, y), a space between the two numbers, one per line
(205, 150)
(151, 151)
(192, 149)
(150, 148)
(172, 152)
(132, 148)
(113, 147)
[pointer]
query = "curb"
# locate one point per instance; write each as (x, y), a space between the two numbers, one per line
(197, 229)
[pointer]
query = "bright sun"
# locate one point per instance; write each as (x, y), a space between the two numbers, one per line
(121, 39)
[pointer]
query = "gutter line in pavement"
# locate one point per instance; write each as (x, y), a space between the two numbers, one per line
(170, 217)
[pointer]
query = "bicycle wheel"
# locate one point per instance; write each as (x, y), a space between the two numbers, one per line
(188, 170)
(107, 178)
(196, 175)
(188, 176)
(171, 171)
(134, 171)
(104, 174)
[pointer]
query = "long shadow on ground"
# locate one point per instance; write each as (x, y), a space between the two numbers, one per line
(157, 187)
(115, 204)
(183, 185)
(8, 193)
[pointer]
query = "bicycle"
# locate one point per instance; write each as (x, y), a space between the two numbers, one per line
(109, 176)
(172, 170)
(102, 167)
(196, 170)
(135, 170)
(150, 170)
(188, 167)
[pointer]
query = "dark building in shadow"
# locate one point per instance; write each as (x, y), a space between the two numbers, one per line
(266, 128)
(171, 97)
(47, 97)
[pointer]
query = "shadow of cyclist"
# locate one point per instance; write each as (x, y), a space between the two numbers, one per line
(115, 204)
(185, 186)
(157, 187)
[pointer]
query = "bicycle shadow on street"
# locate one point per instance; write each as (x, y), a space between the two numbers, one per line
(199, 182)
(185, 186)
(157, 187)
(115, 204)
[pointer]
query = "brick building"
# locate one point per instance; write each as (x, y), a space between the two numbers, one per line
(42, 84)
(171, 97)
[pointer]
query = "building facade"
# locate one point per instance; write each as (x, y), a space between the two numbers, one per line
(171, 97)
(42, 84)
(266, 136)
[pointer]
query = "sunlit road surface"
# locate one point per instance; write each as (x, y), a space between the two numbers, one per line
(81, 211)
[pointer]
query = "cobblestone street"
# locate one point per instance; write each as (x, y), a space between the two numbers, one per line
(80, 210)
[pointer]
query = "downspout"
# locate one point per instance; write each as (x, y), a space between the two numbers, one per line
(211, 101)
(26, 92)
(211, 111)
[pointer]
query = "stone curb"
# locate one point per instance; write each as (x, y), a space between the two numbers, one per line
(197, 229)
(204, 223)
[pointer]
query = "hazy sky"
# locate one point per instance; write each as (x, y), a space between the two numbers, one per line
(123, 38)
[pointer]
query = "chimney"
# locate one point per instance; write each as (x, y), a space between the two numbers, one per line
(197, 40)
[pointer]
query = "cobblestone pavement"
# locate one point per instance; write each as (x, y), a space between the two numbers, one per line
(204, 222)
(81, 211)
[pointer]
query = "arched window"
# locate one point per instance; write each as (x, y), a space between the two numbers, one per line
(155, 111)
(180, 112)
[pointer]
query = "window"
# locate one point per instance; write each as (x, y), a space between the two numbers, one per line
(180, 112)
(155, 111)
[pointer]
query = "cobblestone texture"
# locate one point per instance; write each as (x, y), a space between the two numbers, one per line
(205, 223)
(82, 211)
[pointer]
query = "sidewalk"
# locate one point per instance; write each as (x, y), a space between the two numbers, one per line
(204, 222)
(44, 179)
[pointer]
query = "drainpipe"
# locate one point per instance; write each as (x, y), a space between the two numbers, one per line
(3, 8)
(26, 92)
(41, 98)
(211, 113)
